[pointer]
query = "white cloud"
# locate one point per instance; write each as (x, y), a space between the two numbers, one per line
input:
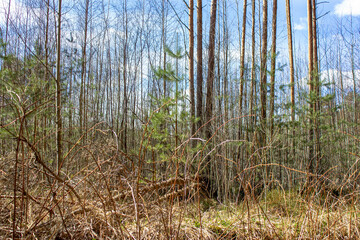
(301, 25)
(348, 7)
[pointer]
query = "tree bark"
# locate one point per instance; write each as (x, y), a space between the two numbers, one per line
(273, 68)
(263, 77)
(163, 35)
(291, 65)
(242, 66)
(199, 70)
(311, 86)
(83, 70)
(316, 84)
(253, 70)
(211, 65)
(58, 95)
(46, 73)
(125, 109)
(191, 66)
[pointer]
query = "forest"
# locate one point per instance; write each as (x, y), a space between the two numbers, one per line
(179, 119)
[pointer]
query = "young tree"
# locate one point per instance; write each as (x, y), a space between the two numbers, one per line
(263, 74)
(291, 65)
(83, 70)
(273, 66)
(125, 100)
(199, 70)
(311, 85)
(253, 63)
(316, 83)
(58, 93)
(191, 65)
(242, 65)
(211, 65)
(163, 36)
(46, 65)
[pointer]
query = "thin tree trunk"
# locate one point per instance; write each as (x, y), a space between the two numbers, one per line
(316, 84)
(83, 70)
(58, 95)
(46, 73)
(211, 65)
(209, 96)
(199, 70)
(291, 64)
(225, 66)
(7, 26)
(70, 101)
(110, 89)
(263, 72)
(311, 86)
(217, 72)
(273, 68)
(118, 69)
(89, 90)
(242, 66)
(125, 109)
(191, 66)
(163, 43)
(253, 70)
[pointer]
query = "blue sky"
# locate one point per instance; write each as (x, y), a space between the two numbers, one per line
(338, 8)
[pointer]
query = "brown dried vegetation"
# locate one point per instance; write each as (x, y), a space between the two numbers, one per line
(114, 202)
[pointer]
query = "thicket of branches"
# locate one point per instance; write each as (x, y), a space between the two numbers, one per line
(117, 111)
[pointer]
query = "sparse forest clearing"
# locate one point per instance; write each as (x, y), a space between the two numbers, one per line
(170, 119)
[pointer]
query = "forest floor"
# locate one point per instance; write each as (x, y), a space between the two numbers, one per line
(275, 214)
(102, 197)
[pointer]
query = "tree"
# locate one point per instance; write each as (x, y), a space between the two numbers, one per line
(316, 85)
(291, 65)
(273, 66)
(253, 69)
(242, 66)
(209, 93)
(191, 65)
(58, 93)
(83, 70)
(211, 65)
(312, 106)
(263, 75)
(199, 70)
(163, 36)
(125, 100)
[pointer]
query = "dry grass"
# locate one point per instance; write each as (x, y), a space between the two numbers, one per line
(218, 222)
(102, 196)
(122, 208)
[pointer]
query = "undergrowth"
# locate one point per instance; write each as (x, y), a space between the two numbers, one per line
(115, 206)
